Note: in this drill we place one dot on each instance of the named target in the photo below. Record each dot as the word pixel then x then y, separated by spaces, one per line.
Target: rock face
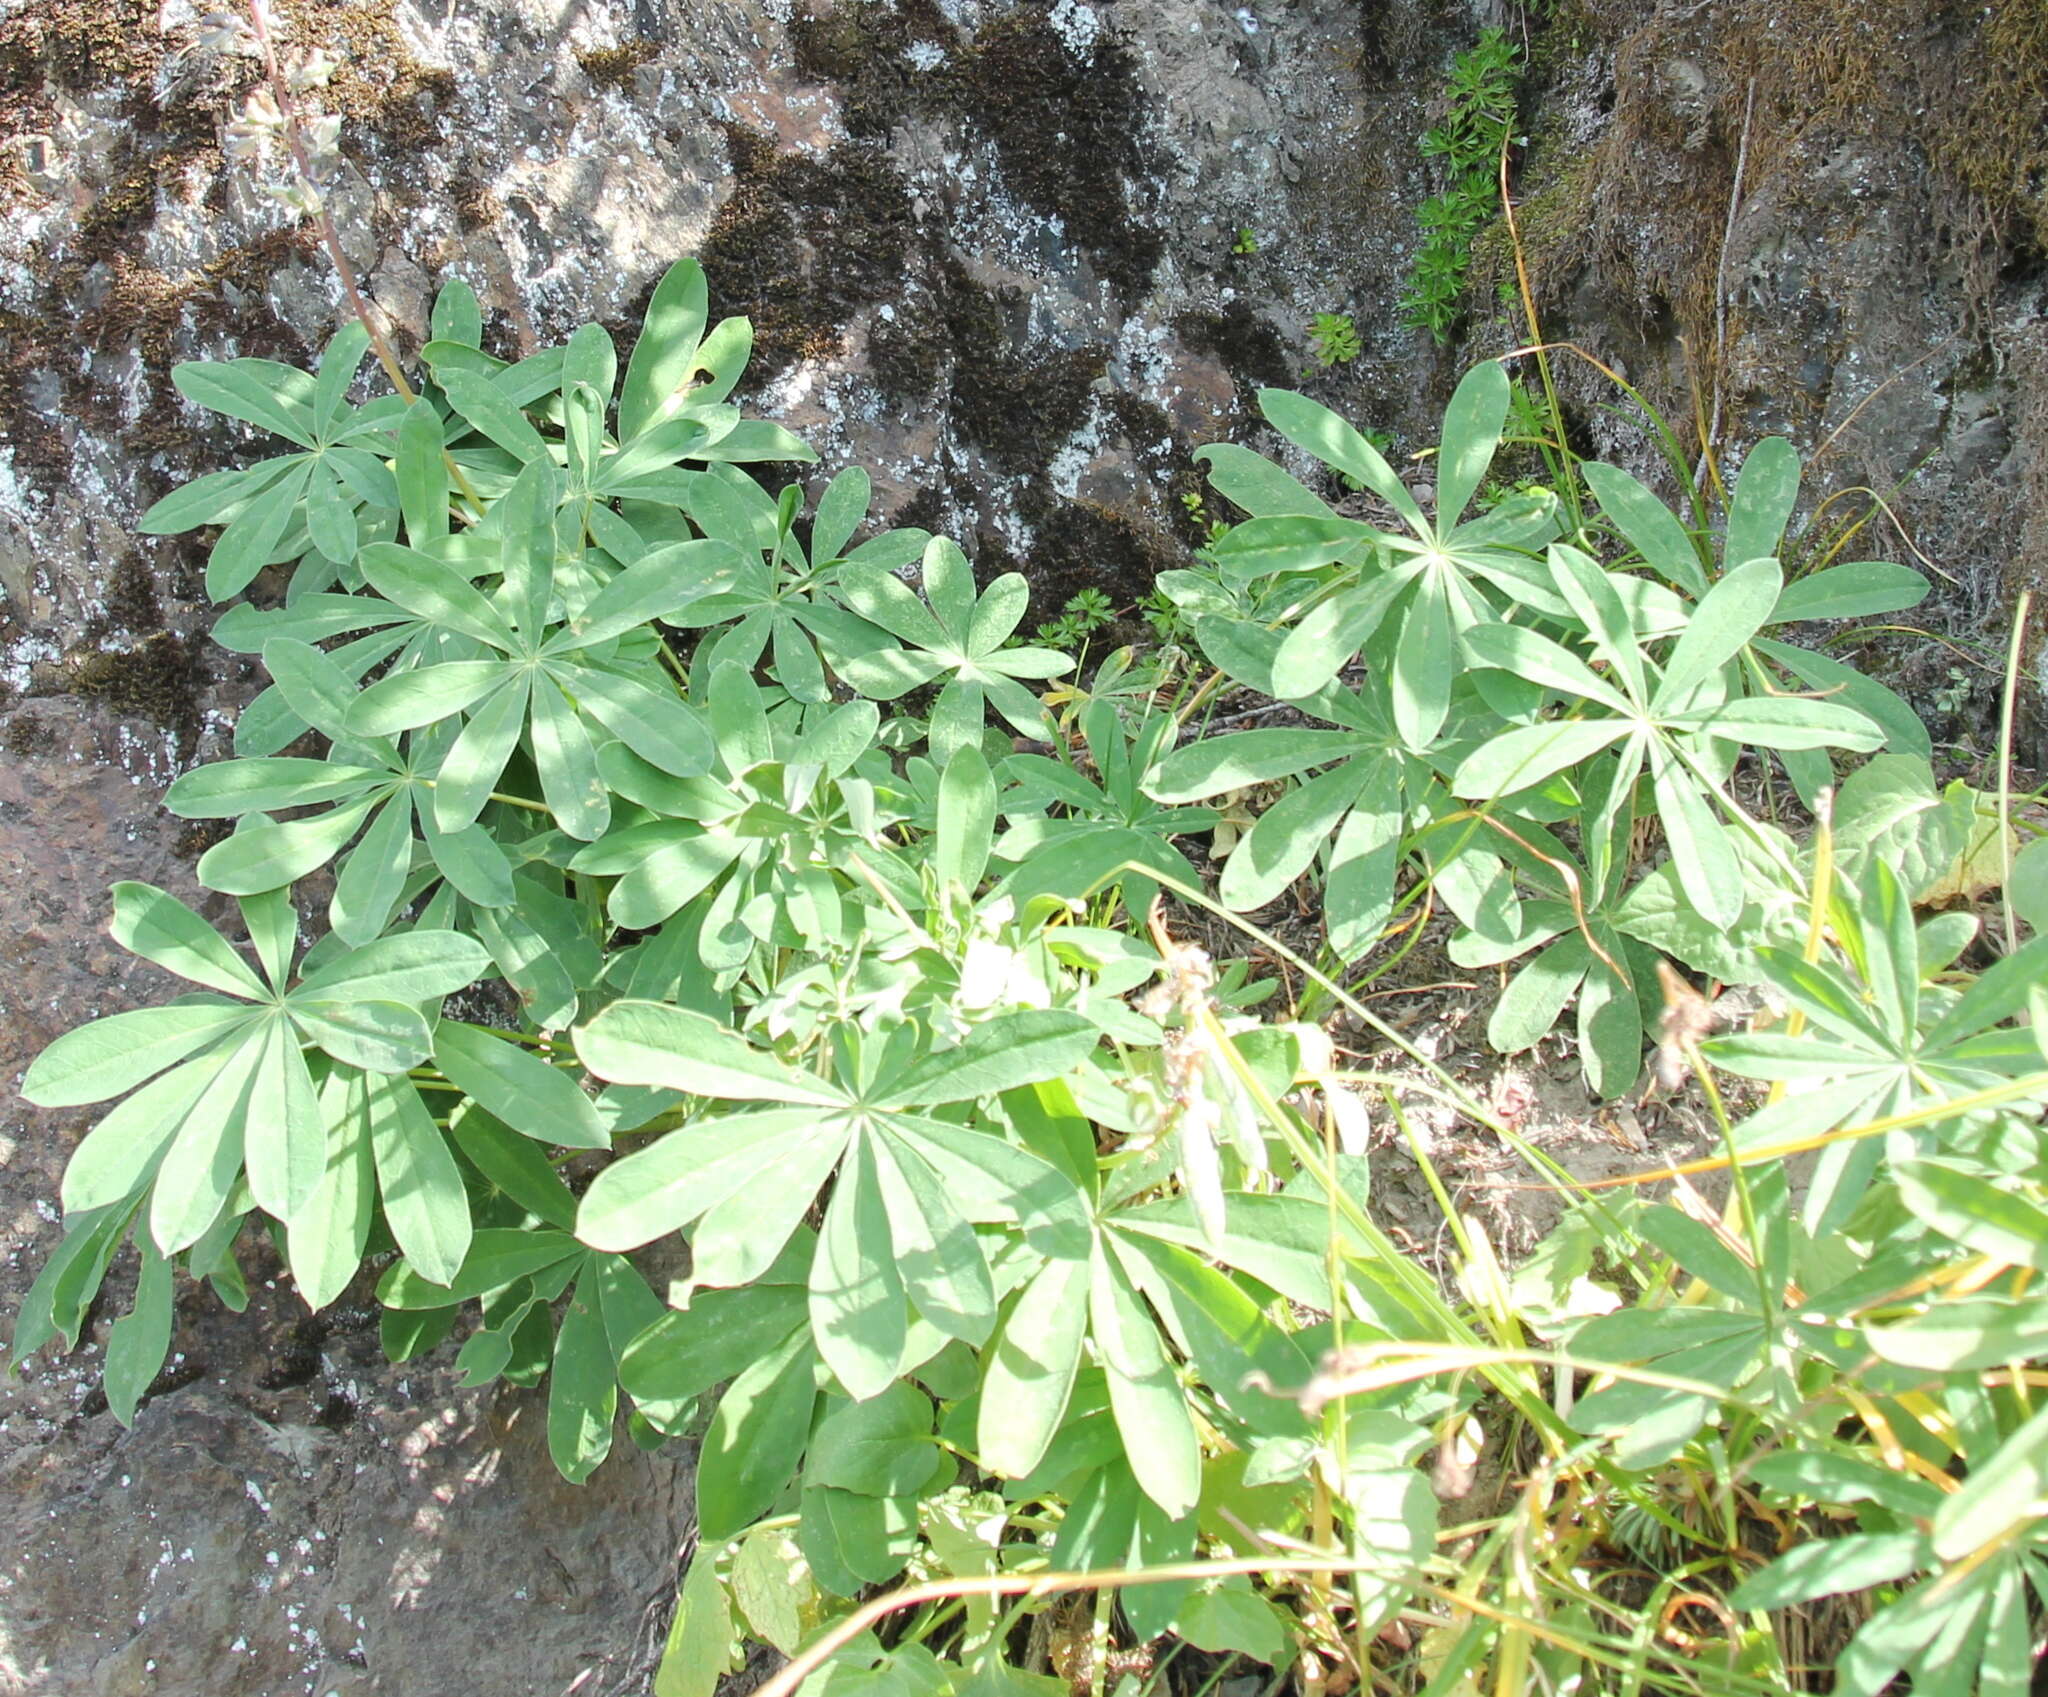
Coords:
pixel 1018 260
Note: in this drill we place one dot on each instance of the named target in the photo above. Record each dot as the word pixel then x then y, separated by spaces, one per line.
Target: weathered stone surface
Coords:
pixel 988 248
pixel 426 1546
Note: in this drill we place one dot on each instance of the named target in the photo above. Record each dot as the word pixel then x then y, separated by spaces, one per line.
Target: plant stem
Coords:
pixel 2005 720
pixel 330 236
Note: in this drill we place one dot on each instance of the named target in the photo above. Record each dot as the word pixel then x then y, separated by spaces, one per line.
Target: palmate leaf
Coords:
pixel 240 1090
pixel 1354 813
pixel 541 686
pixel 1882 1044
pixel 950 634
pixel 283 507
pixel 898 1230
pixel 1433 582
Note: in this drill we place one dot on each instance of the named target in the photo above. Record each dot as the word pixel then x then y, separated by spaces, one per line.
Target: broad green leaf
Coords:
pixel 2004 1489
pixel 1848 688
pixel 497 1256
pixel 937 1254
pixel 689 1351
pixel 406 701
pixel 1425 662
pixel 1976 1213
pixel 117 1155
pixel 1288 836
pixel 660 729
pixel 583 1393
pixel 1323 643
pixel 257 391
pixel 1264 547
pixel 1787 721
pixel 853 1541
pixel 882 1447
pixel 227 789
pixel 286 1134
pixel 141 1338
pixel 697 1654
pixel 858 1313
pixel 687 1172
pixel 1765 493
pixel 204 1158
pixel 999 1054
pixel 2027 888
pixel 567 763
pixel 654 587
pixel 665 357
pixel 756 1439
pixel 484 405
pixel 1256 484
pixel 1212 765
pixel 676 1049
pixel 326 1238
pixel 372 879
pixel 252 536
pixel 1232 1617
pixel 1533 656
pixel 210 499
pixel 56 1303
pixel 1311 425
pixel 515 1165
pixel 1708 870
pixel 1472 424
pixel 764 1584
pixel 541 1101
pixel 1730 613
pixel 1144 1392
pixel 474 765
pixel 1650 526
pixel 1832 1567
pixel 1030 1371
pixel 966 820
pixel 424 1199
pixel 1851 591
pixel 117 1053
pixel 1522 758
pixel 264 857
pixel 160 928
pixel 457 315
pixel 413 966
pixel 1962 1334
pixel 380 1037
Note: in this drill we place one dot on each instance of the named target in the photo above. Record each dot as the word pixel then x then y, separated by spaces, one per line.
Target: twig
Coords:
pixel 1721 285
pixel 2005 719
pixel 280 89
pixel 330 236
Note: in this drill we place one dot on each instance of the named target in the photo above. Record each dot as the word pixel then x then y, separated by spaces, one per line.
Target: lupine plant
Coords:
pixel 702 882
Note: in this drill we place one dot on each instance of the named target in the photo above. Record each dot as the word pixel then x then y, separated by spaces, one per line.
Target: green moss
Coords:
pixel 1065 128
pixel 1085 545
pixel 908 352
pixel 1065 125
pixel 29 734
pixel 1014 404
pixel 865 47
pixel 477 207
pixel 1246 342
pixel 160 680
pixel 804 243
pixel 613 67
pixel 131 598
pixel 79 45
pixel 1554 217
pixel 199 836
